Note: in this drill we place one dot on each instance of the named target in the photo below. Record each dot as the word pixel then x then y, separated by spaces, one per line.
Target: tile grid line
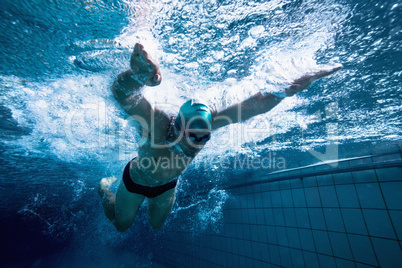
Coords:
pixel 277 245
pixel 365 223
pixel 286 234
pixel 325 221
pixel 224 251
pixel 312 229
pixel 298 233
pixel 387 209
pixel 344 226
pixel 372 167
pixel 318 173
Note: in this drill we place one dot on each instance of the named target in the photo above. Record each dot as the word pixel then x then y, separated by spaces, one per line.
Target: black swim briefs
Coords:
pixel 147 191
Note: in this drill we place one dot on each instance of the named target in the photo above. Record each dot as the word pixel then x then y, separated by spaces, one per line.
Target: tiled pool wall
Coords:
pixel 348 215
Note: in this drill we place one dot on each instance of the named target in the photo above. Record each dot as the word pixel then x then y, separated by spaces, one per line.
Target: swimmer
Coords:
pixel 172 142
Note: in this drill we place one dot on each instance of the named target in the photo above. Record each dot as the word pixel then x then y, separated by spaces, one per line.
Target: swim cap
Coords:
pixel 193 116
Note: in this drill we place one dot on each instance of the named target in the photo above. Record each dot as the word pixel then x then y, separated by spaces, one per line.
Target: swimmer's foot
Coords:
pixel 104 186
pixel 108 198
pixel 306 80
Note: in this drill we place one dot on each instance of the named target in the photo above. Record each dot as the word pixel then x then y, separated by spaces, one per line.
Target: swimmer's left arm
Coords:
pixel 307 79
pixel 259 103
pixel 255 105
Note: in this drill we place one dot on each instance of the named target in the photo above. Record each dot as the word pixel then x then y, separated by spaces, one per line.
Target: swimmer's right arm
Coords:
pixel 127 92
pixel 144 71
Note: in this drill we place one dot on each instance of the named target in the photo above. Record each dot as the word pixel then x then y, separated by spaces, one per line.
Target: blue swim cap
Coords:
pixel 194 116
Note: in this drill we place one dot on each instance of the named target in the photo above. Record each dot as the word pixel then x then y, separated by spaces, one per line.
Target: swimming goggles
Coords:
pixel 194 138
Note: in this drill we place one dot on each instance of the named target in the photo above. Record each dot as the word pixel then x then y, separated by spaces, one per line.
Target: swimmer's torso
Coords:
pixel 158 165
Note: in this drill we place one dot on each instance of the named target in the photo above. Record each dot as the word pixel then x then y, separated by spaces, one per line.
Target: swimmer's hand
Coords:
pixel 145 69
pixel 306 80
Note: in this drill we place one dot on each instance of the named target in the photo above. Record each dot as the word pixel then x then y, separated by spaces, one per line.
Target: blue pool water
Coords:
pixel 326 184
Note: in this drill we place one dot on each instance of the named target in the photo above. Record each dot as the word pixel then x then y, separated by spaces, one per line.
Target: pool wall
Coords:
pixel 348 214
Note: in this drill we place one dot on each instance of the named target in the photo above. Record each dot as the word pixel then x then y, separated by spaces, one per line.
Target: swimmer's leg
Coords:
pixel 160 207
pixel 122 207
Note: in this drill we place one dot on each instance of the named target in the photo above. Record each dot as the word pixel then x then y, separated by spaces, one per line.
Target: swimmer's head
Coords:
pixel 194 116
pixel 194 124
